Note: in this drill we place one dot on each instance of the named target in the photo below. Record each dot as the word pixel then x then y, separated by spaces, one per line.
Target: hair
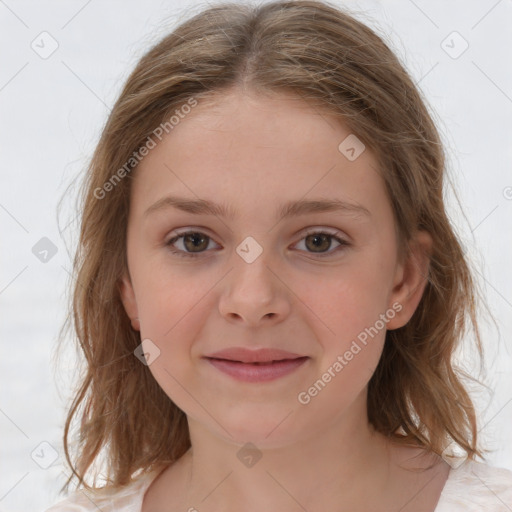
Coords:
pixel 322 55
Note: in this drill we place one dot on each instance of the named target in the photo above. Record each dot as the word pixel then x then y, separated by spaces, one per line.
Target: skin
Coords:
pixel 253 154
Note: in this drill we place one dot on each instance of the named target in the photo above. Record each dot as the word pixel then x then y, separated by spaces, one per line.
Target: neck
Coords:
pixel 347 462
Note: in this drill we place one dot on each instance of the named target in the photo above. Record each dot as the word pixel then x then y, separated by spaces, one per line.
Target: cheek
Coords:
pixel 172 312
pixel 352 342
pixel 167 297
pixel 351 310
pixel 350 299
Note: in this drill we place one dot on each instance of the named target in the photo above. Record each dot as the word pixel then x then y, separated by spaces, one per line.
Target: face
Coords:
pixel 321 283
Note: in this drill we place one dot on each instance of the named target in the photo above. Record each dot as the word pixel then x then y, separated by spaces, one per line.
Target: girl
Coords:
pixel 268 289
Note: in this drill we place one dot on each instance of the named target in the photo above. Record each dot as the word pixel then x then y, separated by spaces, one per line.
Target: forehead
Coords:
pixel 277 127
pixel 253 150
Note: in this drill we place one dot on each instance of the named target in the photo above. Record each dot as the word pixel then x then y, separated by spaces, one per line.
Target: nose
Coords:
pixel 254 293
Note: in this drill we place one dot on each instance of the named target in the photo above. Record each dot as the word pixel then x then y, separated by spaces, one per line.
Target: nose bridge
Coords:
pixel 251 265
pixel 253 290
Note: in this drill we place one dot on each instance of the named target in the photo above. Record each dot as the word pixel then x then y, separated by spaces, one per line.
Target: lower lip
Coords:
pixel 257 373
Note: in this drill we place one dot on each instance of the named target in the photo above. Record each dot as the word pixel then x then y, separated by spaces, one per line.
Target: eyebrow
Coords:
pixel 290 209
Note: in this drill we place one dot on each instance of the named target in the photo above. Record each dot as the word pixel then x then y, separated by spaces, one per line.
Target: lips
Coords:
pixel 258 356
pixel 257 365
pixel 260 365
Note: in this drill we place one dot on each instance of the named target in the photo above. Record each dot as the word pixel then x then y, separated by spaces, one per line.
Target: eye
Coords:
pixel 195 242
pixel 320 241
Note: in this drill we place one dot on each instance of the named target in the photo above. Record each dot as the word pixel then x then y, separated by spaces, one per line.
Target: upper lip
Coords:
pixel 261 355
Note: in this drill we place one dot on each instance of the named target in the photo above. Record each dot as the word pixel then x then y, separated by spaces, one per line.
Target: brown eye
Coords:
pixel 193 243
pixel 319 242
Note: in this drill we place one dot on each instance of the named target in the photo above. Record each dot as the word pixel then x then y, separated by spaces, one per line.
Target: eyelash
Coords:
pixel 184 254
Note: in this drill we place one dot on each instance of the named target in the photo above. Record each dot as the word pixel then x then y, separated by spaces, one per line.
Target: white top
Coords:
pixel 472 487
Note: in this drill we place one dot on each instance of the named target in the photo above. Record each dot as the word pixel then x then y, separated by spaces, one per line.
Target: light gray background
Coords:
pixel 51 114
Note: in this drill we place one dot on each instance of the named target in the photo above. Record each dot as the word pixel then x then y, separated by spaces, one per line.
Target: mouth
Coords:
pixel 258 363
pixel 257 371
pixel 260 355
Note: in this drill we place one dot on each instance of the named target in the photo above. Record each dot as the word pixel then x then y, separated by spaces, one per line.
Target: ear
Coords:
pixel 411 277
pixel 128 299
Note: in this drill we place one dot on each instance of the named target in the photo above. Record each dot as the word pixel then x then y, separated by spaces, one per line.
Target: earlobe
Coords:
pixel 411 279
pixel 128 299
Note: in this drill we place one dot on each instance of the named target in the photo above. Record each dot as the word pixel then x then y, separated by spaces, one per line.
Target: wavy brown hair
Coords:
pixel 324 55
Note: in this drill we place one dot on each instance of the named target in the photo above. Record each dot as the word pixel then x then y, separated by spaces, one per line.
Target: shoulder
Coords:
pixel 126 499
pixel 475 486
